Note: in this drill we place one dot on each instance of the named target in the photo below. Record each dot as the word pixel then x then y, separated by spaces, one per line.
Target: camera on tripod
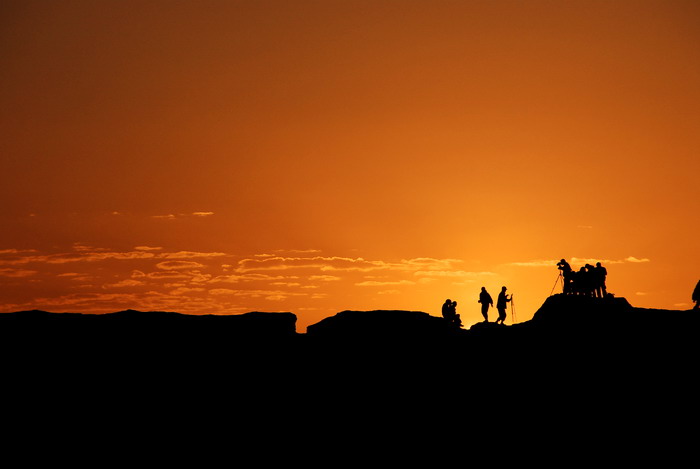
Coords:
pixel 564 266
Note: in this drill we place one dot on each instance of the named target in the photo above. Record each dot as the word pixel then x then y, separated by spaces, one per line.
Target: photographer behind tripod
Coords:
pixel 566 274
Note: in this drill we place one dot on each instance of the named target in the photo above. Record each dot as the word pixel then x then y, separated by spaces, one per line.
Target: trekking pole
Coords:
pixel 555 283
pixel 512 307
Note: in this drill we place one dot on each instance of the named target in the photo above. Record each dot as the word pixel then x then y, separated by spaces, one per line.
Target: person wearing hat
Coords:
pixel 501 305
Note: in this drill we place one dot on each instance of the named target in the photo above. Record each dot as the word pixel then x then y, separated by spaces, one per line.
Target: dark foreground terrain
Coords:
pixel 585 379
pixel 566 333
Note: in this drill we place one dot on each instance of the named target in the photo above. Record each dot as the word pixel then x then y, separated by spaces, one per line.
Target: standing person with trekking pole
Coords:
pixel 501 305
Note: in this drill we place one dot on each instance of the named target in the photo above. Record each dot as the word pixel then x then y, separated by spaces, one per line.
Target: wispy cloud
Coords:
pixel 324 278
pixel 349 264
pixel 168 275
pixel 172 216
pixel 273 295
pixel 189 255
pixel 636 260
pixel 179 265
pixel 153 277
pixel 83 253
pixel 80 256
pixel 535 263
pixel 451 273
pixel 577 261
pixel 250 277
pixel 375 283
pixel 123 284
pixel 186 290
pixel 17 273
pixel 222 291
pixel 15 251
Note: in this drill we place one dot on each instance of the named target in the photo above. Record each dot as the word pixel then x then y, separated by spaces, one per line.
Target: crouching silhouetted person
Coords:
pixel 486 301
pixel 501 305
pixel 449 312
pixel 696 296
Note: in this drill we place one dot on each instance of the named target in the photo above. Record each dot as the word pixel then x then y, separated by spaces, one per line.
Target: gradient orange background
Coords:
pixel 316 156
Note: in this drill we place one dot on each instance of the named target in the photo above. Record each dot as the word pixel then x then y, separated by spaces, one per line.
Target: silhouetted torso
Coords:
pixel 486 301
pixel 501 305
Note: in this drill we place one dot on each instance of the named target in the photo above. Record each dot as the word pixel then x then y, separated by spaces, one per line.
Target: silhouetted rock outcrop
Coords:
pixel 564 325
pixel 382 325
pixel 610 320
pixel 133 332
pixel 583 311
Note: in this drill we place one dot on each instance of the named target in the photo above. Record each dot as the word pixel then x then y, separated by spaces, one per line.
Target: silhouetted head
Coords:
pixel 454 303
pixel 483 288
pixel 448 301
pixel 504 289
pixel 563 260
pixel 597 264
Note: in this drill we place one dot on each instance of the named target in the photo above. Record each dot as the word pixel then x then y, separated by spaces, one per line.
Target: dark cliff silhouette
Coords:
pixel 130 327
pixel 561 317
pixel 566 329
pixel 579 361
pixel 382 326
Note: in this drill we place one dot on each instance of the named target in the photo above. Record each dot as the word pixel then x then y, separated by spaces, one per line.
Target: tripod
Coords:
pixel 559 277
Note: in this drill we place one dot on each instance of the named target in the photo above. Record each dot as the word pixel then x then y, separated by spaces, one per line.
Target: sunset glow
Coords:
pixel 319 156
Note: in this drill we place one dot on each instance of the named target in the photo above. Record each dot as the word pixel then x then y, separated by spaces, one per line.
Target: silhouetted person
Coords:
pixel 696 296
pixel 566 276
pixel 447 309
pixel 456 320
pixel 580 282
pixel 501 305
pixel 449 312
pixel 600 273
pixel 486 301
pixel 589 281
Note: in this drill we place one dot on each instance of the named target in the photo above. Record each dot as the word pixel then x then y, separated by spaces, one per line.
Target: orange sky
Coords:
pixel 317 156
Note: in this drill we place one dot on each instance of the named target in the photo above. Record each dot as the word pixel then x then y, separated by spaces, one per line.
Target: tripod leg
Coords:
pixel 555 284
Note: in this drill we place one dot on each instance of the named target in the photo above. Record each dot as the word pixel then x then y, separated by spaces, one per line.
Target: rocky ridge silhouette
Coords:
pixel 565 324
pixel 578 363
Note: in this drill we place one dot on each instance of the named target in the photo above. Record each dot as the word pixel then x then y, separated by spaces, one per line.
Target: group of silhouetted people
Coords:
pixel 587 281
pixel 501 304
pixel 449 312
pixel 449 308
